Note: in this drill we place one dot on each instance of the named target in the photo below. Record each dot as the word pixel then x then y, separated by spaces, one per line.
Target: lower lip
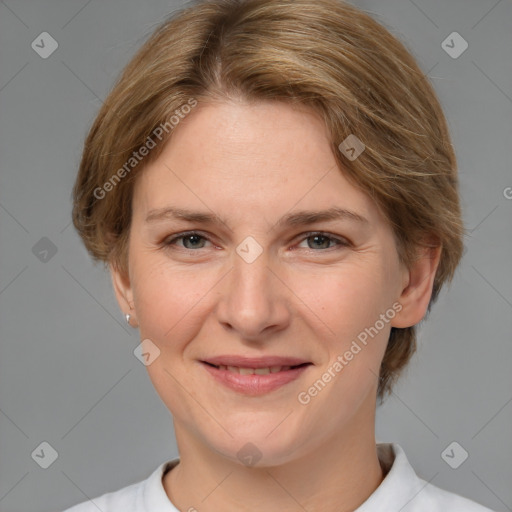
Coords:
pixel 254 384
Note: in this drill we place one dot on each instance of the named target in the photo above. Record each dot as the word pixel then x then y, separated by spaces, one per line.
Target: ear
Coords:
pixel 417 286
pixel 123 291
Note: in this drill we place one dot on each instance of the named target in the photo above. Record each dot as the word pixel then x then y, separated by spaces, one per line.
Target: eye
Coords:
pixel 323 240
pixel 192 238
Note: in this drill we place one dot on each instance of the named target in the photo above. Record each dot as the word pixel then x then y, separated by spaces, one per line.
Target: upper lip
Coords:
pixel 254 362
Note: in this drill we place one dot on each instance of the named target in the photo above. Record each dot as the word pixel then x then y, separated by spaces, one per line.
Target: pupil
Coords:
pixel 316 237
pixel 194 238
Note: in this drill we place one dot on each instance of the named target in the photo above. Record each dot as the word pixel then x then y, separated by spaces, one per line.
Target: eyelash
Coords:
pixel 340 242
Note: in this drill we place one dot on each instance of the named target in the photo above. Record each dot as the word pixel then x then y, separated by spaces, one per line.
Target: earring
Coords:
pixel 127 316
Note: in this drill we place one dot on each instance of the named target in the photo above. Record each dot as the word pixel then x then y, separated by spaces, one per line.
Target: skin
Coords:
pixel 250 164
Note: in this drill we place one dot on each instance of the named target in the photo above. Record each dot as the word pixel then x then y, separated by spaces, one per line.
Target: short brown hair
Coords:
pixel 324 54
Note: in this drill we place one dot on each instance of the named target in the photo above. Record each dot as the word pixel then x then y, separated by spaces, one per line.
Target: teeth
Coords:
pixel 256 371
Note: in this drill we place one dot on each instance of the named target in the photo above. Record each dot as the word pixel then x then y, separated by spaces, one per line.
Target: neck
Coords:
pixel 337 476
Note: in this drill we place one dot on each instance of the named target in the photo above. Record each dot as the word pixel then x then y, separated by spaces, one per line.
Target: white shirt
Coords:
pixel 401 490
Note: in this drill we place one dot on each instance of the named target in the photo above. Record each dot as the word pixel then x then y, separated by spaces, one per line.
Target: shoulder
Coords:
pixel 403 490
pixel 435 498
pixel 136 497
pixel 123 499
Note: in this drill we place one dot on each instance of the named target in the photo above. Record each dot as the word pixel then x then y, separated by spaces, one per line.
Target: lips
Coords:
pixel 255 376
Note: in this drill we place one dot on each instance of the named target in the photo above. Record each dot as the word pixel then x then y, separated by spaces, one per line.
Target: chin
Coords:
pixel 258 448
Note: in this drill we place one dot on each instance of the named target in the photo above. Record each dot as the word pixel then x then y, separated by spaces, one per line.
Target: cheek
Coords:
pixel 170 305
pixel 168 299
pixel 346 300
pixel 349 304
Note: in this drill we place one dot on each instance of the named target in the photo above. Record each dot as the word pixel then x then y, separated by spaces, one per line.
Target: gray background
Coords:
pixel 68 375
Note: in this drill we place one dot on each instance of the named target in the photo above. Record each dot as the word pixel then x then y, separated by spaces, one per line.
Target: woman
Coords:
pixel 273 188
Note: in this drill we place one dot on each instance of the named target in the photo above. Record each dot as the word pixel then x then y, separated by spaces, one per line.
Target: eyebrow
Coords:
pixel 300 218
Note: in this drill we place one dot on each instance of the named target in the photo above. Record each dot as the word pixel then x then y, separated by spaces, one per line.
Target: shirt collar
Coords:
pixel 155 497
pixel 400 485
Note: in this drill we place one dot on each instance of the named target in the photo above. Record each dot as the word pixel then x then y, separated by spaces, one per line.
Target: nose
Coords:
pixel 255 300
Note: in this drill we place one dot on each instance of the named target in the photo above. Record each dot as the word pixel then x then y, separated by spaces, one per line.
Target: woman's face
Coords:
pixel 253 285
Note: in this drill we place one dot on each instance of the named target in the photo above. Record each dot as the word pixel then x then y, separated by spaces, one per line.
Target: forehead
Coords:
pixel 269 156
pixel 259 137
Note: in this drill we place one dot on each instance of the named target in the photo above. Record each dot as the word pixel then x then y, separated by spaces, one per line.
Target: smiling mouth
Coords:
pixel 252 378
